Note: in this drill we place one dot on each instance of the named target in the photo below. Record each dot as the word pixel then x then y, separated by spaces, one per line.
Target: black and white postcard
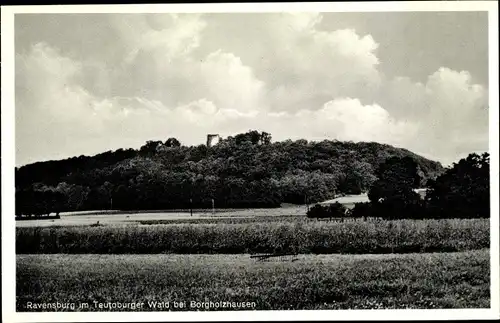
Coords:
pixel 272 161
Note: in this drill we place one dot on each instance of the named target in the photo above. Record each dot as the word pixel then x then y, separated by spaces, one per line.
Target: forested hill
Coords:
pixel 247 170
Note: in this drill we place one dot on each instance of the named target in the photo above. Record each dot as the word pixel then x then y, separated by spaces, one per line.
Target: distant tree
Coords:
pixel 392 194
pixel 75 195
pixel 265 138
pixel 253 136
pixel 362 210
pixel 334 210
pixel 396 177
pixel 39 202
pixel 150 147
pixel 24 202
pixel 56 201
pixel 463 191
pixel 313 186
pixel 172 142
pixel 349 184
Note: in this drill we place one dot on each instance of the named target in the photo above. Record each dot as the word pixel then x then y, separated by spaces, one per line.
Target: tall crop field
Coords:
pixel 401 236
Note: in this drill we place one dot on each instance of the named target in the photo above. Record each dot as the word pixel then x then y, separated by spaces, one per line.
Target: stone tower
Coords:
pixel 212 139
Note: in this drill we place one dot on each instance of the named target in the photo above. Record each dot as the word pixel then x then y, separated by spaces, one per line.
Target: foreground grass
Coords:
pixel 315 237
pixel 439 280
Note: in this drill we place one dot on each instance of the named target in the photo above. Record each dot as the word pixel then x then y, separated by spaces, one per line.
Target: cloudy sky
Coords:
pixel 87 83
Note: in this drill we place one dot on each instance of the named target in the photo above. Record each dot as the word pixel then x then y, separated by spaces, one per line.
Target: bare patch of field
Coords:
pixel 120 217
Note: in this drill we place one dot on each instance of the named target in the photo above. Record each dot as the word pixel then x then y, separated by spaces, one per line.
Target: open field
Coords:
pixel 122 217
pixel 305 237
pixel 158 258
pixel 284 209
pixel 438 280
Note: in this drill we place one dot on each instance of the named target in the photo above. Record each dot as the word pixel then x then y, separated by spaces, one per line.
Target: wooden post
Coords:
pixel 191 206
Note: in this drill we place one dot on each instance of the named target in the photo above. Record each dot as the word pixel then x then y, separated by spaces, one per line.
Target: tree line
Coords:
pixel 461 191
pixel 245 170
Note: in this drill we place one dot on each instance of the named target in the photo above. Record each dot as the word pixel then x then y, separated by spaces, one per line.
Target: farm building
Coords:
pixel 421 192
pixel 349 201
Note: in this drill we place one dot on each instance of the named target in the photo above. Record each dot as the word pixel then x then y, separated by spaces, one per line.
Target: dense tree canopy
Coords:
pixel 397 177
pixel 392 194
pixel 247 170
pixel 463 191
pixel 39 202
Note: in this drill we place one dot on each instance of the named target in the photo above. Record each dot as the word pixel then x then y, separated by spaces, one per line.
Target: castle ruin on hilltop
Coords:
pixel 212 139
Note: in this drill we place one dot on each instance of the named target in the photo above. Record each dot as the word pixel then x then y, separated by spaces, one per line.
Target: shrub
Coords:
pixel 318 211
pixel 362 210
pixel 336 210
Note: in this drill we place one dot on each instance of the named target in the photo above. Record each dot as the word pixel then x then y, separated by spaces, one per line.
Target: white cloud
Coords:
pixel 50 108
pixel 315 64
pixel 302 21
pixel 361 122
pixel 231 84
pixel 166 36
pixel 341 119
pixel 162 63
pixel 45 95
pixel 451 113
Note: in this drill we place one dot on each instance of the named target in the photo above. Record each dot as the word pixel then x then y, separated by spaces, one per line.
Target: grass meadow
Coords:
pixel 303 237
pixel 162 259
pixel 436 280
